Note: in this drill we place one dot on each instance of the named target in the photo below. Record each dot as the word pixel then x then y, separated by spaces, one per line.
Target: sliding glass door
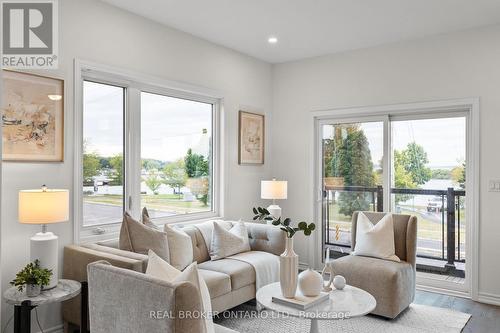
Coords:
pixel 411 165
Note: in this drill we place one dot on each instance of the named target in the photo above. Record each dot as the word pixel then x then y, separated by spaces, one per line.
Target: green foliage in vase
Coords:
pixel 262 213
pixel 32 273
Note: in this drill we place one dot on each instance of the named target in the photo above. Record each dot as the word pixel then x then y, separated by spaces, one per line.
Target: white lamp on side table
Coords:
pixel 44 206
pixel 274 190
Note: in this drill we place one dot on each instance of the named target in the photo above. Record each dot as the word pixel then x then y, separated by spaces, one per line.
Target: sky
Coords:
pixel 169 126
pixel 443 139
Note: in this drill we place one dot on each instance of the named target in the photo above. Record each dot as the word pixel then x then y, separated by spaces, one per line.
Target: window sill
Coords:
pixel 112 231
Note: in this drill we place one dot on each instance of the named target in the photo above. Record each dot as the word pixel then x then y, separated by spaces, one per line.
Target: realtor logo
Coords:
pixel 29 38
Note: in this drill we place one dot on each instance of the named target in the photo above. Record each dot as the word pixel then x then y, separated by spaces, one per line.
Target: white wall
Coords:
pixel 95 31
pixel 465 64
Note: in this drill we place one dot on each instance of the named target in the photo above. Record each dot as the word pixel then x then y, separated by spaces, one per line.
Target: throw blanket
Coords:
pixel 266 265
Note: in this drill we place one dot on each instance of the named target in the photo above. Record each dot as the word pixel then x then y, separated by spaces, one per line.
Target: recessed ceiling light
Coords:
pixel 272 40
pixel 54 97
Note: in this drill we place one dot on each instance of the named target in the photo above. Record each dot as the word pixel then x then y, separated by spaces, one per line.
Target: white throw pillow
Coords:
pixel 228 242
pixel 180 246
pixel 160 269
pixel 375 240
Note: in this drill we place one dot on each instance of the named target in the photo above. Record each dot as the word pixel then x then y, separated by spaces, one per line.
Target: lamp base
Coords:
pixel 275 211
pixel 44 247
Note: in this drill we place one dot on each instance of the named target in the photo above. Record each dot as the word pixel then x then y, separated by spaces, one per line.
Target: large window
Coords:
pixel 102 161
pixel 176 155
pixel 144 145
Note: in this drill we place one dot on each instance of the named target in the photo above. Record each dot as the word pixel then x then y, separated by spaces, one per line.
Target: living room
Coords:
pixel 191 109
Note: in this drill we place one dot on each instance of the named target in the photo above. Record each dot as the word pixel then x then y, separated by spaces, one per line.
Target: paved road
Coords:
pixel 97 213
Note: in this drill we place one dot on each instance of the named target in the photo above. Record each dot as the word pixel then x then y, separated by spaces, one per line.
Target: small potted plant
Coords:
pixel 33 277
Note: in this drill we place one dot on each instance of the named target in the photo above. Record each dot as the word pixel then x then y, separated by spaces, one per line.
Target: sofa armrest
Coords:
pixel 75 261
pixel 266 237
pixel 121 300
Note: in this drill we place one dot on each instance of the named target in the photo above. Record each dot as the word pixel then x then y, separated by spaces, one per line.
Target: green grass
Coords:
pixel 165 202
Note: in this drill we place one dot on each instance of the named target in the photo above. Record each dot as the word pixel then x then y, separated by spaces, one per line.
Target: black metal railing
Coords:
pixel 450 206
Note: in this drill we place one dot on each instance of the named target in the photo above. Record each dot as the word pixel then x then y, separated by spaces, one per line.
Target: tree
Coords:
pixel 414 159
pixel 151 164
pixel 116 163
pixel 348 155
pixel 91 165
pixel 402 178
pixel 458 175
pixel 175 175
pixel 199 187
pixel 196 164
pixel 441 174
pixel 153 181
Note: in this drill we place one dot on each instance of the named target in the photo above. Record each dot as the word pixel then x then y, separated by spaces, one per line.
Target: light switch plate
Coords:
pixel 494 186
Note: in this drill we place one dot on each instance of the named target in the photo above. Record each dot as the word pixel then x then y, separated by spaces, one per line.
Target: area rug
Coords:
pixel 416 319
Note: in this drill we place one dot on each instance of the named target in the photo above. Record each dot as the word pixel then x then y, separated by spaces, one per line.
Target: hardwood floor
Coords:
pixel 485 318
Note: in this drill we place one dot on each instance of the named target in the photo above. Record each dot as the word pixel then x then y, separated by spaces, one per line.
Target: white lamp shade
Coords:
pixel 43 206
pixel 273 189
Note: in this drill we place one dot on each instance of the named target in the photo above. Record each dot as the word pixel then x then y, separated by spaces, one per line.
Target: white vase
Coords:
pixel 310 283
pixel 289 270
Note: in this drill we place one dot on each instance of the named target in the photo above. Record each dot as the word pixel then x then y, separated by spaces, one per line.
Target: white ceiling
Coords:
pixel 308 28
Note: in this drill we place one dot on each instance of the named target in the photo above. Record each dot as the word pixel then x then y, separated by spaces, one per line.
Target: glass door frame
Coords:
pixel 439 109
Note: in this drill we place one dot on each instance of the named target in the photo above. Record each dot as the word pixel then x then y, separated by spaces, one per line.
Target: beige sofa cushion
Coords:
pixel 136 237
pixel 200 249
pixel 161 269
pixel 241 273
pixel 228 242
pixel 391 283
pixel 146 220
pixel 218 283
pixel 180 246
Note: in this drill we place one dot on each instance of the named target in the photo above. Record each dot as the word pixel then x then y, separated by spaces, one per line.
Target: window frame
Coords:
pixel 468 107
pixel 133 84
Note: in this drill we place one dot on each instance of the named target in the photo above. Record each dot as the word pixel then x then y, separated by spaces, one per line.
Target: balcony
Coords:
pixel 441 223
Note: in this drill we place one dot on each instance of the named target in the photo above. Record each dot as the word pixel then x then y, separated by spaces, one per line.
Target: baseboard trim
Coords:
pixel 488 298
pixel 443 291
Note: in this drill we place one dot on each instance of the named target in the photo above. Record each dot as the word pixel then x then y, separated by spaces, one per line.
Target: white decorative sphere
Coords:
pixel 339 282
pixel 310 283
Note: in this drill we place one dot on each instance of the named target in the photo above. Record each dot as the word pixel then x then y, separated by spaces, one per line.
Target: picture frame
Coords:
pixel 32 117
pixel 251 138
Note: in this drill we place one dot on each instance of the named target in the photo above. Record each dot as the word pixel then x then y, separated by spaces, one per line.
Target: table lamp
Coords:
pixel 275 190
pixel 44 206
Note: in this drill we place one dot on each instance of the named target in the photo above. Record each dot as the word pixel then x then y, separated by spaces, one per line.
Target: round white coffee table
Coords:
pixel 343 304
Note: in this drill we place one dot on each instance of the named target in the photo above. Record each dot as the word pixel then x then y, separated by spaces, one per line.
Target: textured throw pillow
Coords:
pixel 160 269
pixel 375 240
pixel 146 220
pixel 136 237
pixel 180 247
pixel 228 242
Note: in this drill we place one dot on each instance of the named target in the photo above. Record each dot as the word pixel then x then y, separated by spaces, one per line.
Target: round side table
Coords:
pixel 65 289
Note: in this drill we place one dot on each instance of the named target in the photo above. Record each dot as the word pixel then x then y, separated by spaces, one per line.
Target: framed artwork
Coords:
pixel 32 118
pixel 251 138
